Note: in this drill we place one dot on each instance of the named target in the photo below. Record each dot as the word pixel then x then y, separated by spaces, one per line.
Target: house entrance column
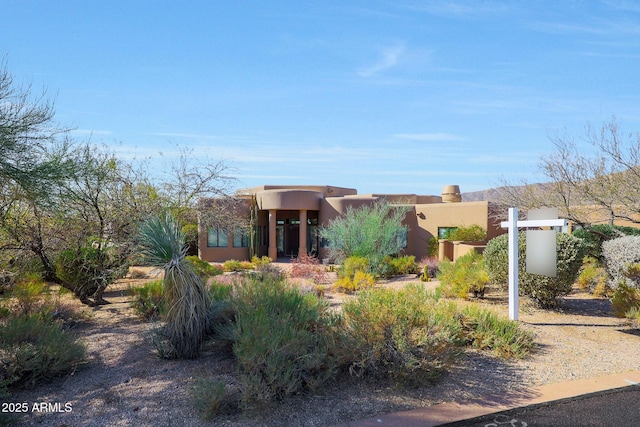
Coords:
pixel 273 248
pixel 302 250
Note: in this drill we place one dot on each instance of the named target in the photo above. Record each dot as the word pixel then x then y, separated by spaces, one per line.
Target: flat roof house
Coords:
pixel 287 218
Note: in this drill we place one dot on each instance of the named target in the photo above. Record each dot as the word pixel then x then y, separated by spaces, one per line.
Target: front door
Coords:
pixel 292 240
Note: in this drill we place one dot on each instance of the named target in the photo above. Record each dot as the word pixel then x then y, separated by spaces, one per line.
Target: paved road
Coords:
pixel 612 408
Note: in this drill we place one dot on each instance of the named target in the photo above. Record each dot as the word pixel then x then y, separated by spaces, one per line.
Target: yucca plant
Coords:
pixel 187 320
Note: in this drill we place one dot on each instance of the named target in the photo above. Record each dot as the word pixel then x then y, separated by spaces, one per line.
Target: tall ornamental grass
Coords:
pixel 187 318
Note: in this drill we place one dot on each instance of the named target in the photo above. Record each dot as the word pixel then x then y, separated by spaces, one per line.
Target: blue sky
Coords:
pixel 381 96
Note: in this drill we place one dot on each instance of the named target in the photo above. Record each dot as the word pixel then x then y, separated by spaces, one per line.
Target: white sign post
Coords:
pixel 513 225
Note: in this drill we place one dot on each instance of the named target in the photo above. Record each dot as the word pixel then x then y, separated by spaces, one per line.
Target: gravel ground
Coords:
pixel 125 384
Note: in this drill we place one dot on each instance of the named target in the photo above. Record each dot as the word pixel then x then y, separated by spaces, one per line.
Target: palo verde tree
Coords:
pixel 35 159
pixel 370 231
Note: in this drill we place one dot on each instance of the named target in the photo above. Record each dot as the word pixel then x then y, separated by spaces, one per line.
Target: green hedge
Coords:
pixel 545 291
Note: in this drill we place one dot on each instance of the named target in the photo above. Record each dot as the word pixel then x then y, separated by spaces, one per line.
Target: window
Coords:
pixel 443 232
pixel 217 238
pixel 240 239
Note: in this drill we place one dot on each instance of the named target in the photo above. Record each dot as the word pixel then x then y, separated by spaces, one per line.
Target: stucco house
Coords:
pixel 287 219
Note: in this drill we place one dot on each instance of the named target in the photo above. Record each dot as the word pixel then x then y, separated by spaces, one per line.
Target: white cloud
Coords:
pixel 390 58
pixel 84 132
pixel 186 135
pixel 438 136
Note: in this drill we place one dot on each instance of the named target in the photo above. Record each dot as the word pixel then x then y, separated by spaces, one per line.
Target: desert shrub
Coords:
pixel 211 398
pixel 593 277
pixel 308 267
pixel 484 329
pixel 235 265
pixel 87 271
pixel 405 335
pixel 544 291
pixel 412 335
pixel 136 273
pixel 619 257
pixel 624 299
pixel 31 296
pixel 433 246
pixel 270 270
pixel 351 265
pixel 595 235
pixel 372 232
pixel 282 340
pixel 359 281
pixel 203 268
pixel 34 348
pixel 259 261
pixel 472 233
pixel 399 265
pixel 632 314
pixel 21 264
pixel 148 300
pixel 467 274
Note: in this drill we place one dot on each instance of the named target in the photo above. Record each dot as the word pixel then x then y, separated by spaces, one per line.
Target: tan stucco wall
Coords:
pixel 288 199
pixel 426 214
pixel 326 190
pixel 220 254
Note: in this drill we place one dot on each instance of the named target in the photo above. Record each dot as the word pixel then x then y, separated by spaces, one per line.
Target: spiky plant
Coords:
pixel 187 320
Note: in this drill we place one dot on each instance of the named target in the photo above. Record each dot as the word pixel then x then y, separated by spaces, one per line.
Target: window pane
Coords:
pixel 212 238
pixel 222 239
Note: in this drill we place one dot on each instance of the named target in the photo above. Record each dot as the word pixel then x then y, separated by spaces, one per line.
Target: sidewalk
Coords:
pixel 458 411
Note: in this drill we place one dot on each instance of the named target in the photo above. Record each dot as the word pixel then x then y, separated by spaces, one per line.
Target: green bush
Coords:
pixel 399 265
pixel 624 299
pixel 203 268
pixel 88 271
pixel 433 246
pixel 593 277
pixel 359 281
pixel 406 335
pixel 484 329
pixel 594 235
pixel 282 340
pixel 259 261
pixel 210 398
pixel 370 231
pixel 351 265
pixel 464 276
pixel 34 348
pixel 472 233
pixel 235 265
pixel 411 335
pixel 148 300
pixel 544 291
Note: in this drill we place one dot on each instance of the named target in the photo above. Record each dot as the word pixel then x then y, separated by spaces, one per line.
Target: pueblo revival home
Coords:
pixel 286 219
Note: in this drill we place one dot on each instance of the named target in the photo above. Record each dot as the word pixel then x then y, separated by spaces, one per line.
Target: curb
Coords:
pixel 451 412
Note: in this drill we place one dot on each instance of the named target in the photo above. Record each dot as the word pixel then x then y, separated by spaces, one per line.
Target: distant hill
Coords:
pixel 490 194
pixel 478 196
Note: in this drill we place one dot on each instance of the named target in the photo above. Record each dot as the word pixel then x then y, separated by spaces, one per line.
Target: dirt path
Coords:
pixel 125 384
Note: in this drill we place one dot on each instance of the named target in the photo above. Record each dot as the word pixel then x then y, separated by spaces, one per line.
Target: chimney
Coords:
pixel 451 194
